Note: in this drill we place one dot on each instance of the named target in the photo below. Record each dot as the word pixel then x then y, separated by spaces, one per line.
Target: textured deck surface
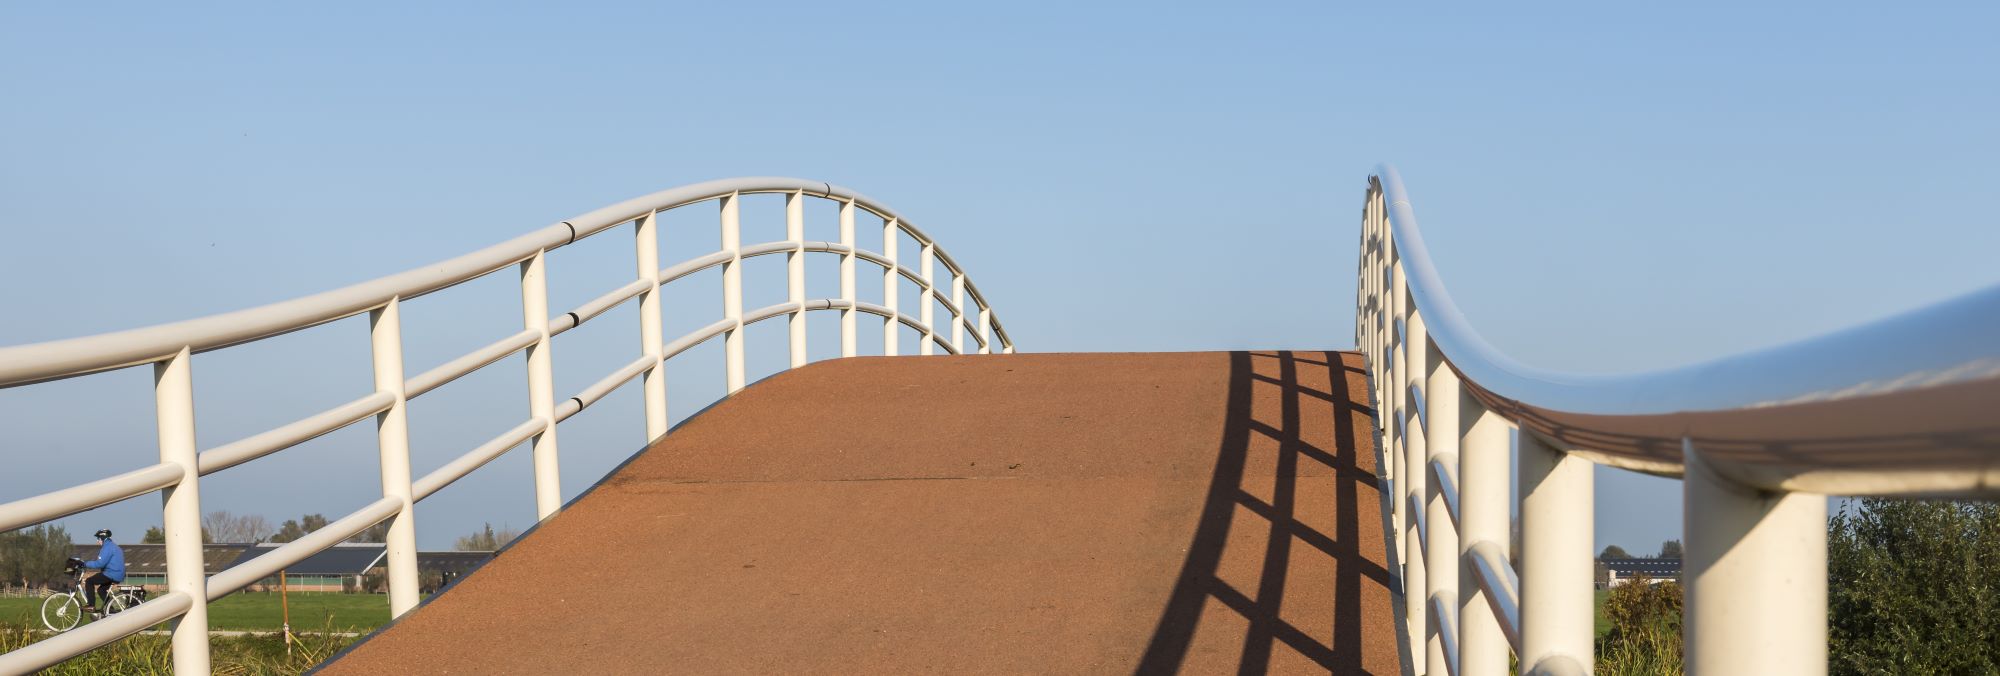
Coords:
pixel 1059 514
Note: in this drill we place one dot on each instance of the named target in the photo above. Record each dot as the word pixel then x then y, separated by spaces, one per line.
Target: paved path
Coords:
pixel 1056 514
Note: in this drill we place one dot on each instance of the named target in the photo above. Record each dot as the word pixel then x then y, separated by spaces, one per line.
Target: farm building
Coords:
pixel 344 568
pixel 1621 571
pixel 147 564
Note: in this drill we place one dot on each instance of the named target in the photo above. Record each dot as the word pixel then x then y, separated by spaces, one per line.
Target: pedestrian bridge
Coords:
pixel 1278 511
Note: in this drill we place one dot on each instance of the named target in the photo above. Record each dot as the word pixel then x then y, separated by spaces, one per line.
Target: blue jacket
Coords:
pixel 111 559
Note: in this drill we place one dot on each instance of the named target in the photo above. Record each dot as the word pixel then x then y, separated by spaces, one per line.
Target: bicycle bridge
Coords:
pixel 1004 512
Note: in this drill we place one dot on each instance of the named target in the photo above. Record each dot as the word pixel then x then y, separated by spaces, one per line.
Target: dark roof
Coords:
pixel 457 562
pixel 144 559
pixel 341 559
pixel 1651 567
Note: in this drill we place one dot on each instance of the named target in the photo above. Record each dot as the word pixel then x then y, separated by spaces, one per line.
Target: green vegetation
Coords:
pixel 1913 587
pixel 255 611
pixel 230 655
pixel 1640 625
pixel 261 611
pixel 1603 623
pixel 33 556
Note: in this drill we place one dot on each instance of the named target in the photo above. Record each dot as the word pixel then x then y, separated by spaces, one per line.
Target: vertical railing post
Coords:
pixel 795 271
pixel 1389 294
pixel 732 289
pixel 1557 570
pixel 1482 517
pixel 958 316
pixel 173 402
pixel 1755 574
pixel 541 383
pixel 1416 583
pixel 848 315
pixel 392 430
pixel 1441 430
pixel 646 242
pixel 889 241
pixel 1392 397
pixel 985 329
pixel 925 259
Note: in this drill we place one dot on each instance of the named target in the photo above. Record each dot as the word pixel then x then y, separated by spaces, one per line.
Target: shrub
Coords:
pixel 1645 636
pixel 1913 587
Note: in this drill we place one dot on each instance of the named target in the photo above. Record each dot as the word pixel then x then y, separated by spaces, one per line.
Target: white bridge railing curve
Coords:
pixel 1905 406
pixel 169 349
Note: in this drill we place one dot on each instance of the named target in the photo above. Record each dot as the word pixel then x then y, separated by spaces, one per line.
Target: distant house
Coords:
pixel 1621 571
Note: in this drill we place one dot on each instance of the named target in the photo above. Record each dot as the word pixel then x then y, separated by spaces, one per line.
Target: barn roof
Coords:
pixel 342 559
pixel 145 559
pixel 1651 567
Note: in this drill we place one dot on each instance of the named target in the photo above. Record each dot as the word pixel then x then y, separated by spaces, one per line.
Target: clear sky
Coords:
pixel 1605 188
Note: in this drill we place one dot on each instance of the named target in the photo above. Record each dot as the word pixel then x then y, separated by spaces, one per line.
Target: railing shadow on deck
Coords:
pixel 1341 649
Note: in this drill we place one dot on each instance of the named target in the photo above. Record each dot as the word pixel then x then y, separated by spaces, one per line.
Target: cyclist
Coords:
pixel 110 563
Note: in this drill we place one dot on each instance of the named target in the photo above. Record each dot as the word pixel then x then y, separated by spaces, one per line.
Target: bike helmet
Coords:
pixel 104 534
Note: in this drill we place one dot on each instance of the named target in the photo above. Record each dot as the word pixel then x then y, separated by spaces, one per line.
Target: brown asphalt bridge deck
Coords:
pixel 1066 513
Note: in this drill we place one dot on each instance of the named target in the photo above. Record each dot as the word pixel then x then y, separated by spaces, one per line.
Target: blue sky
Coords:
pixel 1605 188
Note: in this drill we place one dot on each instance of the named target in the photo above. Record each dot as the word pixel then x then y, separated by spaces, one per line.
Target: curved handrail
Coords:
pixel 1899 406
pixel 65 358
pixel 170 346
pixel 1763 415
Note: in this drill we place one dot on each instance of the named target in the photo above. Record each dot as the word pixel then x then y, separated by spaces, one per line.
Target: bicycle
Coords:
pixel 63 610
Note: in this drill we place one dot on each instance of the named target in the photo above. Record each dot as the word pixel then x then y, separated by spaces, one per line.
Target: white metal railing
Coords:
pixel 1906 406
pixel 169 349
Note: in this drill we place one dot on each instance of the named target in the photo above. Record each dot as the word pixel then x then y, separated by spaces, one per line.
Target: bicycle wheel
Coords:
pixel 117 603
pixel 61 612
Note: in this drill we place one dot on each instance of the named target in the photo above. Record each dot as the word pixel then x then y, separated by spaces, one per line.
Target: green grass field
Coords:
pixel 1603 624
pixel 258 611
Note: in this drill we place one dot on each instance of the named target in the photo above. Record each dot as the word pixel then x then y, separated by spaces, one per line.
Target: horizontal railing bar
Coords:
pixel 907 320
pixel 25 364
pixel 297 432
pixel 286 555
pixel 768 312
pixel 597 390
pixel 944 299
pixel 597 306
pixel 780 246
pixel 1418 405
pixel 1500 585
pixel 1447 480
pixel 1440 612
pixel 872 257
pixel 915 278
pixel 475 458
pixel 53 650
pixel 1423 527
pixel 473 361
pixel 695 337
pixel 58 504
pixel 1800 417
pixel 689 267
pixel 944 341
